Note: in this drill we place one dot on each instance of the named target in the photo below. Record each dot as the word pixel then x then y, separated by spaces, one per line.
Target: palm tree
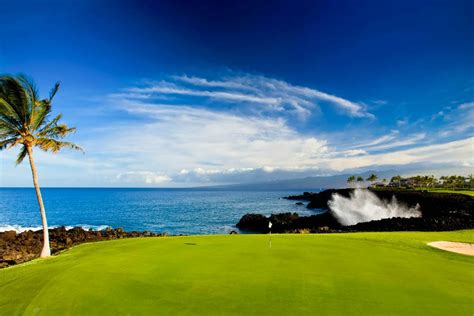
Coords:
pixel 350 180
pixel 419 180
pixel 444 181
pixel 372 178
pixel 432 181
pixel 453 181
pixel 460 181
pixel 398 179
pixel 25 121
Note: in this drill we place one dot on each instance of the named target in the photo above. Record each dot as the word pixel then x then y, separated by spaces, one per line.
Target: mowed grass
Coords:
pixel 466 192
pixel 340 274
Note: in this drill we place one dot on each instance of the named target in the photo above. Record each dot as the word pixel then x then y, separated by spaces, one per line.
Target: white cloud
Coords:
pixel 379 140
pixel 466 106
pixel 275 95
pixel 410 140
pixel 180 138
pixel 402 122
pixel 389 141
pixel 147 177
pixel 459 120
pixel 212 83
pixel 165 145
pixel 458 153
pixel 354 152
pixel 220 95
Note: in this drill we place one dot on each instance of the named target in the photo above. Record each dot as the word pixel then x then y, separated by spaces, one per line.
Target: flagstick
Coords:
pixel 270 239
pixel 270 227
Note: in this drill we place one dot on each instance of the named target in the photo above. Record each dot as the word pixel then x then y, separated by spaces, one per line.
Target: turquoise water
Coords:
pixel 175 211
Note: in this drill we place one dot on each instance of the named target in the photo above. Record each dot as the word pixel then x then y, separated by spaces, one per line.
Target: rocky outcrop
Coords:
pixel 319 200
pixel 17 248
pixel 440 212
pixel 431 204
pixel 288 222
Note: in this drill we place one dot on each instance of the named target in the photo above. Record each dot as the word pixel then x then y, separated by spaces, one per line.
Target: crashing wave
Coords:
pixel 365 206
pixel 20 229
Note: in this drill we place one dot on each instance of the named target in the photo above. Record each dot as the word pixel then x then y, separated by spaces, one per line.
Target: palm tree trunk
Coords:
pixel 46 251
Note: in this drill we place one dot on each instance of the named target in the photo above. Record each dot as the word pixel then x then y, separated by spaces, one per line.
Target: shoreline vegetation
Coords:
pixel 452 183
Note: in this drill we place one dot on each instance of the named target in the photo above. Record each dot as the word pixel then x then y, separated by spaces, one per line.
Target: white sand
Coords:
pixel 457 247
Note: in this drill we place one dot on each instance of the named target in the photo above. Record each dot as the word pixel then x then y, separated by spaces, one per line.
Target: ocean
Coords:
pixel 174 211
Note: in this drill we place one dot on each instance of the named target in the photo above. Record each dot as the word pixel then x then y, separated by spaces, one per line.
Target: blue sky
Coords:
pixel 184 93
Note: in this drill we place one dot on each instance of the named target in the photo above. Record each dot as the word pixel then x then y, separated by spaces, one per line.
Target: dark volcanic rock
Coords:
pixel 433 205
pixel 253 222
pixel 17 248
pixel 8 235
pixel 286 222
pixel 440 212
pixel 306 196
pixel 319 200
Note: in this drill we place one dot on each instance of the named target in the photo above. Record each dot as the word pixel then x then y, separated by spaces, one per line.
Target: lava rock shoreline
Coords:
pixel 440 212
pixel 18 248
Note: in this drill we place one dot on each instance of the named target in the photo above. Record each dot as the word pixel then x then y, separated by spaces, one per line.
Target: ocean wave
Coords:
pixel 20 229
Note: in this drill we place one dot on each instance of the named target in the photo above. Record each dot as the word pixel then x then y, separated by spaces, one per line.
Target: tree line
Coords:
pixel 419 181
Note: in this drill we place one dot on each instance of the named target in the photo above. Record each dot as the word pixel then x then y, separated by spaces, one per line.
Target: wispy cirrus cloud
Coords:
pixel 393 141
pixel 389 141
pixel 270 94
pixel 459 120
pixel 460 153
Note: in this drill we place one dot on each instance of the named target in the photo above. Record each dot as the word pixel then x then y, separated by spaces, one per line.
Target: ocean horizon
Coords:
pixel 162 210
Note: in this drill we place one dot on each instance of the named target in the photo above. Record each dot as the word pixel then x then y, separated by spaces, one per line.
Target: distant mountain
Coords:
pixel 302 184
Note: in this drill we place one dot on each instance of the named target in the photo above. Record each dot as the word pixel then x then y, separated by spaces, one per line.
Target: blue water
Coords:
pixel 175 211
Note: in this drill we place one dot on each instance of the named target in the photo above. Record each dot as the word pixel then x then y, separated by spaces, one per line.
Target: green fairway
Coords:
pixel 359 273
pixel 467 192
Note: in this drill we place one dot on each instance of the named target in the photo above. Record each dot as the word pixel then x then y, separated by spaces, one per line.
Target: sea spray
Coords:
pixel 21 229
pixel 364 206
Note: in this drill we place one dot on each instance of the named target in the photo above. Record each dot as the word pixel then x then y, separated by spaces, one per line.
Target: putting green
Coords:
pixel 343 274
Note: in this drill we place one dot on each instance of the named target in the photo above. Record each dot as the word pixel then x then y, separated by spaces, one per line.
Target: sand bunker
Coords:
pixel 457 247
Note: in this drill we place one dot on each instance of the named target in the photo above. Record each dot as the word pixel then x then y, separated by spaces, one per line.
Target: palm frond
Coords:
pixel 53 145
pixel 21 155
pixel 50 124
pixel 53 91
pixel 5 143
pixel 4 135
pixel 6 127
pixel 57 132
pixel 29 86
pixel 6 109
pixel 40 114
pixel 38 109
pixel 11 124
pixel 13 91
